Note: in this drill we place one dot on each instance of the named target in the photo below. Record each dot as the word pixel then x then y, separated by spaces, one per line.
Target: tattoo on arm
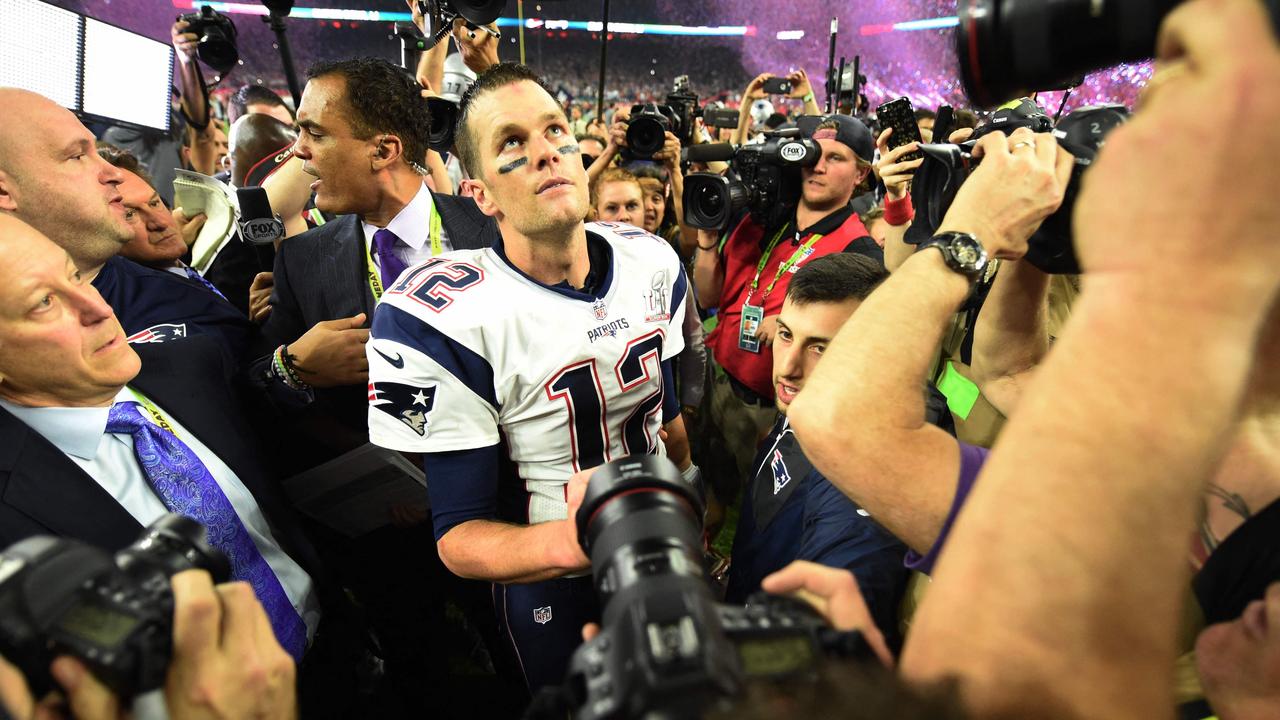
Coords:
pixel 1231 501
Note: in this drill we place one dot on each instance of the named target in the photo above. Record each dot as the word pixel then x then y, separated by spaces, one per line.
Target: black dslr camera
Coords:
pixel 115 614
pixel 217 33
pixel 1082 133
pixel 767 184
pixel 649 122
pixel 666 649
pixel 1009 48
pixel 438 15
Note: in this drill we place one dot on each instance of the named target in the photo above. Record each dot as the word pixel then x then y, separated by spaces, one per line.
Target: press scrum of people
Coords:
pixel 578 359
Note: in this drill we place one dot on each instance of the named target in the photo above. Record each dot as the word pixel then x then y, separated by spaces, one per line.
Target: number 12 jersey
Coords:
pixel 467 351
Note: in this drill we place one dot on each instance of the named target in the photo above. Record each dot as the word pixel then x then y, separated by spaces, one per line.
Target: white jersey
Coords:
pixel 466 350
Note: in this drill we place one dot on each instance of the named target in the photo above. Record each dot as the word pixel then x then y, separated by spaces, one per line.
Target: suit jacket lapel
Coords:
pixel 45 485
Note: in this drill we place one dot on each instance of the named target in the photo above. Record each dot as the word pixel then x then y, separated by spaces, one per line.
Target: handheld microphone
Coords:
pixel 258 224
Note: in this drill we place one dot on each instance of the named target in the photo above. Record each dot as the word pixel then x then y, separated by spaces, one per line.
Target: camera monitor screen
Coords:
pixel 127 77
pixel 40 50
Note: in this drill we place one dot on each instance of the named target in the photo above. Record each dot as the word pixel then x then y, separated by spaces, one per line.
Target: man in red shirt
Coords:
pixel 747 276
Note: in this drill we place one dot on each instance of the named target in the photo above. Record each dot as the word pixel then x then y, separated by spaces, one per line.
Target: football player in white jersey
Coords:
pixel 513 368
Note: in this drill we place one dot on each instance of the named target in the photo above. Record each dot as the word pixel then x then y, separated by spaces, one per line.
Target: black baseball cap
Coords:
pixel 849 131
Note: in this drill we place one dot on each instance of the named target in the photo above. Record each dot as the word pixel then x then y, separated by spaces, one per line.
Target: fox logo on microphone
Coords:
pixel 261 230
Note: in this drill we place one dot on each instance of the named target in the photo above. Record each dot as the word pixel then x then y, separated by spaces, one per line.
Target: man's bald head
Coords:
pixel 52 178
pixel 253 137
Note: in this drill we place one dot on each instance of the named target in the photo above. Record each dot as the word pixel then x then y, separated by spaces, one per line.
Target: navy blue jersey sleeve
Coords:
pixel 462 485
pixel 670 403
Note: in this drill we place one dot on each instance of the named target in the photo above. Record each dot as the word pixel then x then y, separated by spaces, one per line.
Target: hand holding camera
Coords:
pixel 184 42
pixel 1021 181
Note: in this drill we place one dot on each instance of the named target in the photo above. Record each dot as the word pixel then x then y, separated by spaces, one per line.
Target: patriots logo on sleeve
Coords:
pixel 409 404
pixel 159 333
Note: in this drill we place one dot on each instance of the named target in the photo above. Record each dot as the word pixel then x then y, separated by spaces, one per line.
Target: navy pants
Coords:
pixel 543 622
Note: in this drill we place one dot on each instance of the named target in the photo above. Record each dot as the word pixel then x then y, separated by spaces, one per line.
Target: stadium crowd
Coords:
pixel 1033 494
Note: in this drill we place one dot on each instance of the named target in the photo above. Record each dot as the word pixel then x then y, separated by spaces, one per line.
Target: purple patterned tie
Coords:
pixel 191 273
pixel 391 266
pixel 186 487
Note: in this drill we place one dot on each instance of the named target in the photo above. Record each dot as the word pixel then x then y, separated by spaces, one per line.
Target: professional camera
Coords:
pixel 1009 48
pixel 649 122
pixel 767 184
pixel 217 33
pixel 647 130
pixel 945 168
pixel 115 614
pixel 438 15
pixel 666 649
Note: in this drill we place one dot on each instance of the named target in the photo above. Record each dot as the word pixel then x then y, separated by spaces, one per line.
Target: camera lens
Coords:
pixel 172 544
pixel 444 114
pixel 710 200
pixel 480 12
pixel 1009 48
pixel 646 136
pixel 640 520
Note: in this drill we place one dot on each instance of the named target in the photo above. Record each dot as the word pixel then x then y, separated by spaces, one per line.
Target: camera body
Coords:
pixel 945 168
pixel 666 648
pixel 113 613
pixel 438 15
pixel 768 182
pixel 217 33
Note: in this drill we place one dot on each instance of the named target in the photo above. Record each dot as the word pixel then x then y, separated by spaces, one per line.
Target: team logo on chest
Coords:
pixel 406 403
pixel 159 333
pixel 657 305
pixel 780 474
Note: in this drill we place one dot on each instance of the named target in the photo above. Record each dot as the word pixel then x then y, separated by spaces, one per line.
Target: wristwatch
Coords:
pixel 961 251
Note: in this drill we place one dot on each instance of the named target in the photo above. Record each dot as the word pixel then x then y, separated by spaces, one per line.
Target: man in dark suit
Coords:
pixel 96 443
pixel 367 150
pixel 52 179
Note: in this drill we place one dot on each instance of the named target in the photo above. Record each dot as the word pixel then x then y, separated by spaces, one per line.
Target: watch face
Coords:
pixel 968 253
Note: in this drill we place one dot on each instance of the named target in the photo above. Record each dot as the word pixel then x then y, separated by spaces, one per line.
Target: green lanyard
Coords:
pixel 153 411
pixel 783 267
pixel 375 281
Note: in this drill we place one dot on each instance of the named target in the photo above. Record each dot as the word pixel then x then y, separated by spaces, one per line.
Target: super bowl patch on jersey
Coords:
pixel 657 302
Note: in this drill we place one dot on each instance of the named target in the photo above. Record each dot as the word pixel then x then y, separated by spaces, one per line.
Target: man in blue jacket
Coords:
pixel 789 510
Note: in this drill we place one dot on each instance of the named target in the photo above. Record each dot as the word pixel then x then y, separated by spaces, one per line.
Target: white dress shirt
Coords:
pixel 108 458
pixel 413 226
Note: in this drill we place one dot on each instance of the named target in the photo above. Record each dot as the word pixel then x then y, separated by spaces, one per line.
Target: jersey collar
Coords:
pixel 599 277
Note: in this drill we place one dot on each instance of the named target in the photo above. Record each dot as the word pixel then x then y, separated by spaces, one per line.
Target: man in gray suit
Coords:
pixel 363 135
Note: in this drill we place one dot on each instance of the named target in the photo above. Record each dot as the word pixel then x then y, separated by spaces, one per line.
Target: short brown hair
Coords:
pixel 495 77
pixel 124 160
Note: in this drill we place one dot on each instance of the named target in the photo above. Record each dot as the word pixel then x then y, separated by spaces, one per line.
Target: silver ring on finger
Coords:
pixel 1022 143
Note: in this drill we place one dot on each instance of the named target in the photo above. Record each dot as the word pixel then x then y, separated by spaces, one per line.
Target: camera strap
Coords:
pixel 437 248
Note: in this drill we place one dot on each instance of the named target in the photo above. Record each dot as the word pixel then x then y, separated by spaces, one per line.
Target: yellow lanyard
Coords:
pixel 375 280
pixel 783 267
pixel 154 411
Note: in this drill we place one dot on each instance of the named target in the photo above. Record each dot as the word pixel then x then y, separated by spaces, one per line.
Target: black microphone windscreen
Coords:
pixel 710 152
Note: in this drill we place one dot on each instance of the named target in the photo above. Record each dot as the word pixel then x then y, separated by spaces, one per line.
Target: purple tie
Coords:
pixel 383 241
pixel 186 487
pixel 191 273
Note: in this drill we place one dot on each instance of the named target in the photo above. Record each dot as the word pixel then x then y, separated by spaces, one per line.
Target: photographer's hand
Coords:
pixel 83 696
pixel 803 90
pixel 892 171
pixel 1020 182
pixel 479 48
pixel 185 43
pixel 226 662
pixel 669 155
pixel 834 593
